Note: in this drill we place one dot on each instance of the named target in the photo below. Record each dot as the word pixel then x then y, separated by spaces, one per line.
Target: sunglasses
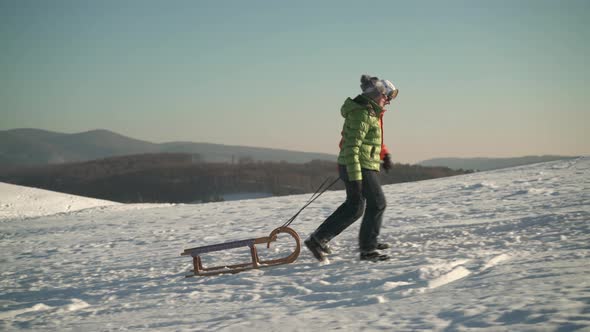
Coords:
pixel 391 95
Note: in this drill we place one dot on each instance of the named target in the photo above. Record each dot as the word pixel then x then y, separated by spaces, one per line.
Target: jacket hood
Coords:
pixel 359 103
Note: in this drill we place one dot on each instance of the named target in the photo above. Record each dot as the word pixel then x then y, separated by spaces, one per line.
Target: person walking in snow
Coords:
pixel 359 163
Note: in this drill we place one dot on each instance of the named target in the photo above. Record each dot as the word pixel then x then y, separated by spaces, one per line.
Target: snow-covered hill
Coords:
pixel 17 202
pixel 506 250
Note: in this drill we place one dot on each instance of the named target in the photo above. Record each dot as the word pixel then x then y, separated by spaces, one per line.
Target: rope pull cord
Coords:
pixel 321 189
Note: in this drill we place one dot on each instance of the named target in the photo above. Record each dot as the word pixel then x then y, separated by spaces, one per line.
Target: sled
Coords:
pixel 256 263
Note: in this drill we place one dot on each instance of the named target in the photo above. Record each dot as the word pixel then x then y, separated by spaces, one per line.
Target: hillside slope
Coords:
pixel 505 250
pixel 487 164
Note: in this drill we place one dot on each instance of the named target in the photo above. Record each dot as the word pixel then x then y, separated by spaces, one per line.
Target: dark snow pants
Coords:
pixel 352 209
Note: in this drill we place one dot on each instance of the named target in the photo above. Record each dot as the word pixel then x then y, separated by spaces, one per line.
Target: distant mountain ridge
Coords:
pixel 487 164
pixel 39 147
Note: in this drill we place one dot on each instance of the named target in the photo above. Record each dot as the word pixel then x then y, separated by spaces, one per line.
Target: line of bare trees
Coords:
pixel 184 178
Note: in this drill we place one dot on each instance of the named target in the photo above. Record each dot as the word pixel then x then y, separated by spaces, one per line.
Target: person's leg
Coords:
pixel 373 218
pixel 349 212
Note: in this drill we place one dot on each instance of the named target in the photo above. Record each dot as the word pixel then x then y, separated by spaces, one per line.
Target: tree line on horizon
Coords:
pixel 186 178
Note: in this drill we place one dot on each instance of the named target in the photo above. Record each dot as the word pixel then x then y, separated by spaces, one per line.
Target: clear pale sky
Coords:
pixel 476 78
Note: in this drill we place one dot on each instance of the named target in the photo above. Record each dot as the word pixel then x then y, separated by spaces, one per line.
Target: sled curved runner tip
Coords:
pixel 251 243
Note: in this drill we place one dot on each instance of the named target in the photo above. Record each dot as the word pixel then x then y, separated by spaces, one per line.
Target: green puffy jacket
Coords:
pixel 362 136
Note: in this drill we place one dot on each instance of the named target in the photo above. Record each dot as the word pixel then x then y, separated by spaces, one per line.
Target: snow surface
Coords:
pixel 506 250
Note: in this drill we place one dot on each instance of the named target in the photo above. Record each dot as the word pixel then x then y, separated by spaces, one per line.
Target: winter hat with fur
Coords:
pixel 374 87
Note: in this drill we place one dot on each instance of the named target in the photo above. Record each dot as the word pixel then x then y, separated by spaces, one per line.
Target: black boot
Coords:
pixel 373 256
pixel 383 246
pixel 325 247
pixel 315 247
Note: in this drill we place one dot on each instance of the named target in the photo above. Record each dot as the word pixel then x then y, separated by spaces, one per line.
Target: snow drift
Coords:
pixel 17 202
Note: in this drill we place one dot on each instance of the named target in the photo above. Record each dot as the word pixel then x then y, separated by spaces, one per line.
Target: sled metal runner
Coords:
pixel 256 263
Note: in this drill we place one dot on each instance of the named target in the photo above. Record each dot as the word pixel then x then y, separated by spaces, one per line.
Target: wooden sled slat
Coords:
pixel 251 243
